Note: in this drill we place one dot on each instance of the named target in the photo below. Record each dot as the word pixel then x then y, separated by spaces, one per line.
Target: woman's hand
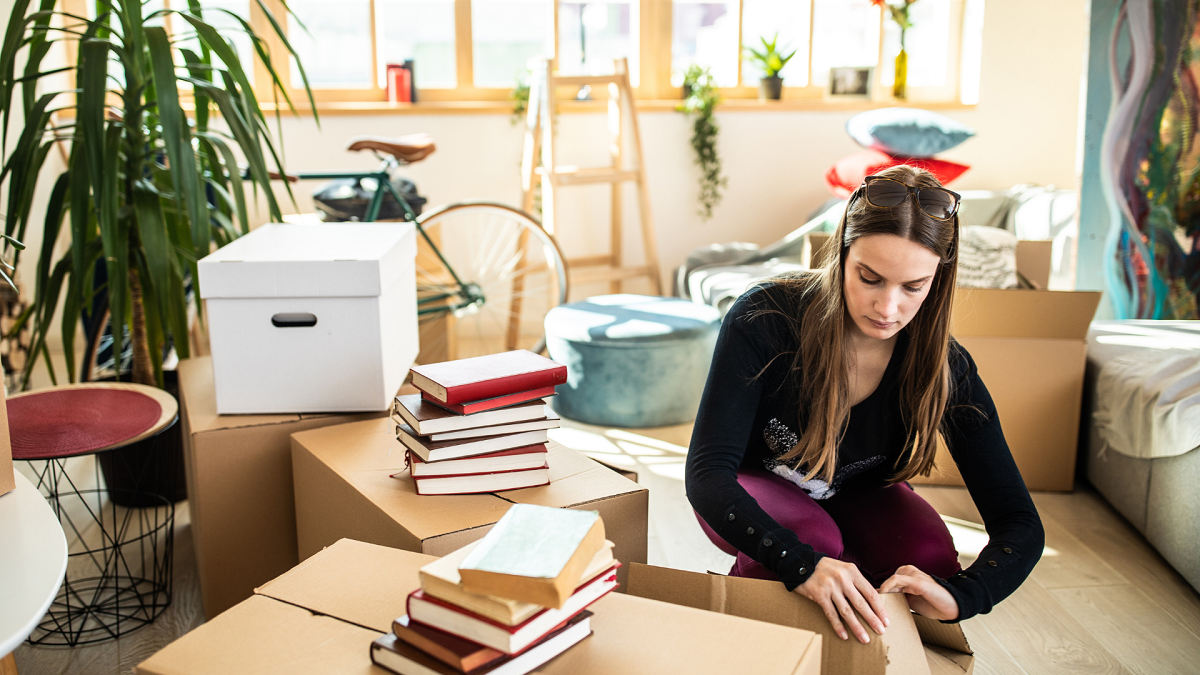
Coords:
pixel 837 586
pixel 925 595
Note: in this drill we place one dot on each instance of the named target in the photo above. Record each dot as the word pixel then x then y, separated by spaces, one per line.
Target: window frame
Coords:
pixel 655 35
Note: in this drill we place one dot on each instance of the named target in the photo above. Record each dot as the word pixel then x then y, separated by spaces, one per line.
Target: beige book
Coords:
pixel 441 580
pixel 534 554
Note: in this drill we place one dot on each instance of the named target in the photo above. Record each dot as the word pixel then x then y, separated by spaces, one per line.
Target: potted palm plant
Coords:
pixel 152 130
pixel 770 61
pixel 149 188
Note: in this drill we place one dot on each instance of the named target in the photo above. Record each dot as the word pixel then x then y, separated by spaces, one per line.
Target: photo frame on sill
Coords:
pixel 850 83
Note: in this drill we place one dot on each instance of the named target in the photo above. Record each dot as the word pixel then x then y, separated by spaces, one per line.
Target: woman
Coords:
pixel 827 391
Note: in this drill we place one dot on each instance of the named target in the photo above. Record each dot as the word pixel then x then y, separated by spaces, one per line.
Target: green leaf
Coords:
pixel 8 55
pixel 152 230
pixel 282 35
pixel 235 179
pixel 224 51
pixel 176 136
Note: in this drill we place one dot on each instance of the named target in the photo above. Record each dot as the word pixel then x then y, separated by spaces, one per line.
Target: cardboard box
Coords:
pixel 312 318
pixel 322 616
pixel 239 479
pixel 912 644
pixel 1030 347
pixel 8 481
pixel 344 489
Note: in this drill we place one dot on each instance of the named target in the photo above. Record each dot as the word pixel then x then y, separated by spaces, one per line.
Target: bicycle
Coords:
pixel 487 273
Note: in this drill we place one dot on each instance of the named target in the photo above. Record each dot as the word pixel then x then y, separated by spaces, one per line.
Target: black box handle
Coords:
pixel 294 320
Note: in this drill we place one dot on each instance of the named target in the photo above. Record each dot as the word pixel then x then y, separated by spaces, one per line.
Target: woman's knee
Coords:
pixel 794 510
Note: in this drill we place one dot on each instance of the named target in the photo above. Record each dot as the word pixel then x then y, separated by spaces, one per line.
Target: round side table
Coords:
pixel 118 575
pixel 33 560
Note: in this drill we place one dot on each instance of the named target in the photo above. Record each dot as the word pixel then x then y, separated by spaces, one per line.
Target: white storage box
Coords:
pixel 312 318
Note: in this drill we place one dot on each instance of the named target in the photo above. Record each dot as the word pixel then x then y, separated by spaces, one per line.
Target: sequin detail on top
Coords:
pixel 780 439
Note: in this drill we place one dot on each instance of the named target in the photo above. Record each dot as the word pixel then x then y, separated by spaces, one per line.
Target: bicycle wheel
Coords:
pixel 511 275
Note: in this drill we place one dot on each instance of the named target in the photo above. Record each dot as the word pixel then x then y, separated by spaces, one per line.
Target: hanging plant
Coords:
pixel 700 98
pixel 520 97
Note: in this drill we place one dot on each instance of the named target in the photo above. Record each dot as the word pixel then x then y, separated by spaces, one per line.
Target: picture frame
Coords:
pixel 851 83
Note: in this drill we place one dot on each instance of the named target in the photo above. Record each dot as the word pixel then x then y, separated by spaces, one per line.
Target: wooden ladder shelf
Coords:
pixel 540 154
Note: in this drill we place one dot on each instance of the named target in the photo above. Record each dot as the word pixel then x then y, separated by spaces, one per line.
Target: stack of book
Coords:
pixel 479 424
pixel 508 603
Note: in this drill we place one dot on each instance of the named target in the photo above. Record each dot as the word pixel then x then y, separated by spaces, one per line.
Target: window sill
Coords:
pixel 506 107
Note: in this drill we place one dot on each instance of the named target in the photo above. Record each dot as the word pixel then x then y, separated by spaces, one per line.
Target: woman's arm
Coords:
pixel 1016 537
pixel 719 440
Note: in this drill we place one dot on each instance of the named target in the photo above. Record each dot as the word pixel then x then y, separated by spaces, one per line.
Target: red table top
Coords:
pixel 66 422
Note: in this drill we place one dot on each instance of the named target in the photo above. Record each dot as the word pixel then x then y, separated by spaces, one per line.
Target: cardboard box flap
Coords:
pixel 982 312
pixel 366 454
pixel 371 597
pixel 310 261
pixel 636 635
pixel 261 635
pixel 574 480
pixel 944 661
pixel 898 652
pixel 765 601
pixel 948 635
pixel 1035 261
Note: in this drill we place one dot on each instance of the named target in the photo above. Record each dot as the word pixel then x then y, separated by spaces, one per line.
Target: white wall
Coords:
pixel 1026 124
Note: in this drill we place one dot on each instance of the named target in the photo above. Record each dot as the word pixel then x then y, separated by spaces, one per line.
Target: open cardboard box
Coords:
pixel 344 488
pixel 322 616
pixel 1031 348
pixel 912 644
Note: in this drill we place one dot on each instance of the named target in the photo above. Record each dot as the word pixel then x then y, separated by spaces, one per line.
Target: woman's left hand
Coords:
pixel 925 595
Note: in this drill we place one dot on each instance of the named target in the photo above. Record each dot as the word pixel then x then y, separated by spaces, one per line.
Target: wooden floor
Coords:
pixel 1100 601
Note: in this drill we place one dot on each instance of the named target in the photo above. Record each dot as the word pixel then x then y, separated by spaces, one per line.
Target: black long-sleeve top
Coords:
pixel 750 414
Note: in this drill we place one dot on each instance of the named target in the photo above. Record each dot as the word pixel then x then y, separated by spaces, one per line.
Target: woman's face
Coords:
pixel 885 281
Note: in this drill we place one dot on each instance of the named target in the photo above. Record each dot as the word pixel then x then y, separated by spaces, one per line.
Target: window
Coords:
pixel 477 50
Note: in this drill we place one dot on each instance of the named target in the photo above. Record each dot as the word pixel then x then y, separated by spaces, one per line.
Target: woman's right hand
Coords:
pixel 837 586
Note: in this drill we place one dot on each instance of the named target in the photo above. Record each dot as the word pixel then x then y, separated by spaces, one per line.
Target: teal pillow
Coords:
pixel 910 132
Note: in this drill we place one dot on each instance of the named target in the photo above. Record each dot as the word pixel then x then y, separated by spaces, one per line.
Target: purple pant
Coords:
pixel 878 530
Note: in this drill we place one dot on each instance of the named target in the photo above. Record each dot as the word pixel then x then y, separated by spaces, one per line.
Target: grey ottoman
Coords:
pixel 632 360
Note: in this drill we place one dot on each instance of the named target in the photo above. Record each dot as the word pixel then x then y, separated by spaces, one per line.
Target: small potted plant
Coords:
pixel 770 60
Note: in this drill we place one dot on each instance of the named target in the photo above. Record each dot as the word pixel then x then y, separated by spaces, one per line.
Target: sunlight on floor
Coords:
pixel 626 448
pixel 970 538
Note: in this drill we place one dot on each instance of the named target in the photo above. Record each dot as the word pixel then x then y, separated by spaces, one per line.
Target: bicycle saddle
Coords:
pixel 406 149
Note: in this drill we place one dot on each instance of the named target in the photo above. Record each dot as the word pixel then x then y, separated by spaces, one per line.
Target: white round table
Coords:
pixel 33 560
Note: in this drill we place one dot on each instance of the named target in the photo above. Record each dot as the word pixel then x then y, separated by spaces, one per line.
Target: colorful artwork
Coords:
pixel 1150 162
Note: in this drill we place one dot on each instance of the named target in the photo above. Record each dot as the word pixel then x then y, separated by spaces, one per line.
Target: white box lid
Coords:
pixel 280 260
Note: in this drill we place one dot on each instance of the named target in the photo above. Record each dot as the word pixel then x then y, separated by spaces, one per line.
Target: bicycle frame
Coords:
pixel 470 293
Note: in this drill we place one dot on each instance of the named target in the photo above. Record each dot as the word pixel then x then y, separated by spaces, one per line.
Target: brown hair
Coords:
pixel 823 355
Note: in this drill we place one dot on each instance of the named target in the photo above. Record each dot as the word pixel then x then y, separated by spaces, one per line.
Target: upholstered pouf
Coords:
pixel 632 360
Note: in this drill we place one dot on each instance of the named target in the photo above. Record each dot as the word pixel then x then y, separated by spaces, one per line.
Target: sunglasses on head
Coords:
pixel 936 202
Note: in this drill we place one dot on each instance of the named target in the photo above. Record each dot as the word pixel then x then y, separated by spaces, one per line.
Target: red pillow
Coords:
pixel 848 173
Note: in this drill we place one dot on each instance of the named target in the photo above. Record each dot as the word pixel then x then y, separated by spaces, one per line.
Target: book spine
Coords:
pixel 476 391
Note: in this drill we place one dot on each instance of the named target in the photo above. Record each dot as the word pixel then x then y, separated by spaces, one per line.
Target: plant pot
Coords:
pixel 154 466
pixel 770 88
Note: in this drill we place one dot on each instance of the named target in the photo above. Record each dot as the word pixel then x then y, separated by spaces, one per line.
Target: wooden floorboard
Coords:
pixel 1100 601
pixel 1130 625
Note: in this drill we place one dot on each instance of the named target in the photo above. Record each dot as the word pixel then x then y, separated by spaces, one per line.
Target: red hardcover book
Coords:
pixel 528 457
pixel 452 650
pixel 472 407
pixel 479 483
pixel 487 377
pixel 393 653
pixel 455 620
